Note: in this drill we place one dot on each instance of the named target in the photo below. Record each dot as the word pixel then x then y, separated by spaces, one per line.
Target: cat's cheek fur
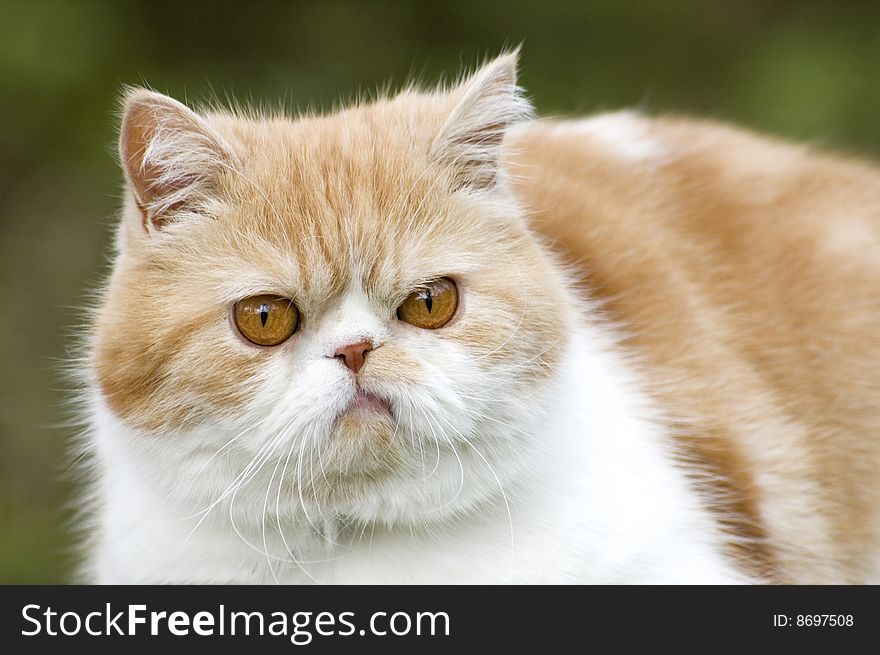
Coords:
pixel 443 399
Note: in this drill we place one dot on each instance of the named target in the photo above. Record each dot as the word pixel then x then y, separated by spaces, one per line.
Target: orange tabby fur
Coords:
pixel 746 274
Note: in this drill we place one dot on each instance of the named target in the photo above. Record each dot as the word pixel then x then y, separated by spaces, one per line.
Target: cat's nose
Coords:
pixel 354 354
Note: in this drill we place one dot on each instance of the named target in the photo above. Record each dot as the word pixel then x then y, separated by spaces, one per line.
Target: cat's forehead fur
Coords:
pixel 351 198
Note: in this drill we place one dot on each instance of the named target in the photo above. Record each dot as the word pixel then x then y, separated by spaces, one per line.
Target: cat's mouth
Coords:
pixel 367 402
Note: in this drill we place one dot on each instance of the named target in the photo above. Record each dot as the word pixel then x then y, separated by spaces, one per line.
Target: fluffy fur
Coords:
pixel 663 367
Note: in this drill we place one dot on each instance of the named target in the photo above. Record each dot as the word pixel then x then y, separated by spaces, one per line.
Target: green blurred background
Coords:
pixel 804 70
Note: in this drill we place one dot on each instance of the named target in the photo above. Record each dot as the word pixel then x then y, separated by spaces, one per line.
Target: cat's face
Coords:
pixel 414 322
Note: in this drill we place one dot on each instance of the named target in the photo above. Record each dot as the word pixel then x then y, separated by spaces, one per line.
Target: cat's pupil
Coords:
pixel 429 301
pixel 264 314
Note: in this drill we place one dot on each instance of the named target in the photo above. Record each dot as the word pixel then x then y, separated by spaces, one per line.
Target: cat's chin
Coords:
pixel 364 427
pixel 362 440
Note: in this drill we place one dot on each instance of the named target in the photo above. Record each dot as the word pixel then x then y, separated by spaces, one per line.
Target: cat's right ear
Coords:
pixel 171 157
pixel 485 106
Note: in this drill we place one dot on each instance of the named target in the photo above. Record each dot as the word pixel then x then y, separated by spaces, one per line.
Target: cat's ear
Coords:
pixel 171 157
pixel 484 106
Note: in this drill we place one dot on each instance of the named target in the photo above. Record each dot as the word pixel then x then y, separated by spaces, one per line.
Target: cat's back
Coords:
pixel 745 274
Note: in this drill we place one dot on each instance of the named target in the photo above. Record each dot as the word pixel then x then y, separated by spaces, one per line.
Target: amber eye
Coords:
pixel 266 320
pixel 432 306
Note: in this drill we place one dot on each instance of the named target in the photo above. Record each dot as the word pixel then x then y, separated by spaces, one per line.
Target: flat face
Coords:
pixel 227 322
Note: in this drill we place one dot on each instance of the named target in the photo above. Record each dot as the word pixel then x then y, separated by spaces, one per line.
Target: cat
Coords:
pixel 432 339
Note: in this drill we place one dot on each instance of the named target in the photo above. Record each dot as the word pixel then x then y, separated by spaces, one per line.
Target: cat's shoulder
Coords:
pixel 634 141
pixel 707 170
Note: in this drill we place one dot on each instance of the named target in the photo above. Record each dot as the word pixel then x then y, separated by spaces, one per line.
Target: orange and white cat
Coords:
pixel 427 339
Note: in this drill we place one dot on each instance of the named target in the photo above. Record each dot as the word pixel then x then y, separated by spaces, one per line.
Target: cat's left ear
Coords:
pixel 485 106
pixel 172 158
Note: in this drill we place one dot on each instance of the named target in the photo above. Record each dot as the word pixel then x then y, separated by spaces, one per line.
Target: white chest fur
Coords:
pixel 601 502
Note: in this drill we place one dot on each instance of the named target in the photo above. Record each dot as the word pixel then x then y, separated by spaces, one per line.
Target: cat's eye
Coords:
pixel 432 306
pixel 266 320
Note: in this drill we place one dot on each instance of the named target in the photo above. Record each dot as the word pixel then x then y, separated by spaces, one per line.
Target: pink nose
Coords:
pixel 354 354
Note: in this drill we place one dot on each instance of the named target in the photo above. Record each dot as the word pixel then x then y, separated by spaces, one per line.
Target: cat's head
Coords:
pixel 345 311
